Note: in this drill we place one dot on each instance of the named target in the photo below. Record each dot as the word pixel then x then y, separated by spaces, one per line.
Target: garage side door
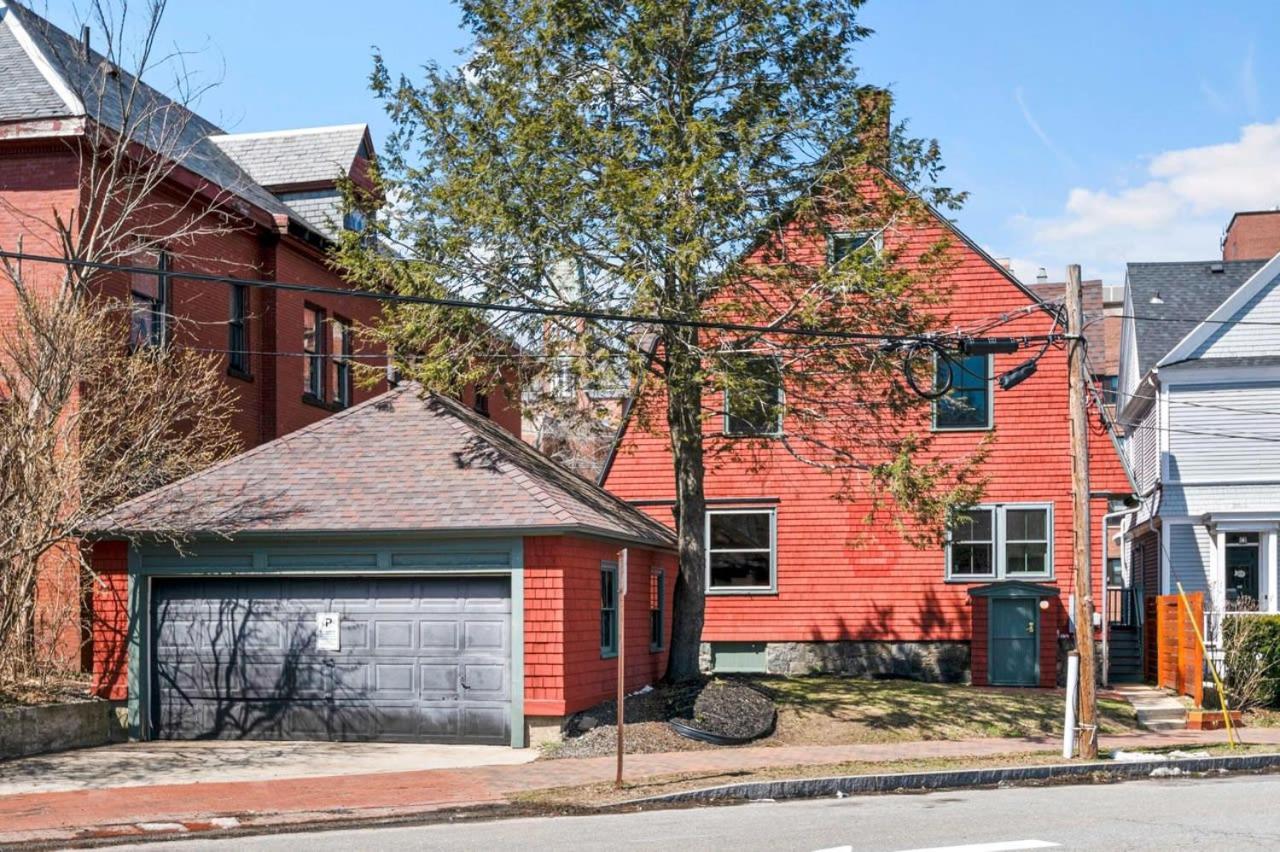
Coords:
pixel 418 659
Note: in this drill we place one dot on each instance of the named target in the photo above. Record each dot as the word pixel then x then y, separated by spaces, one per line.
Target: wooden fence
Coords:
pixel 1179 657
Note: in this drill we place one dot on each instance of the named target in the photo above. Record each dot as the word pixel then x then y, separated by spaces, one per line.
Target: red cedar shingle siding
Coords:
pixel 840 578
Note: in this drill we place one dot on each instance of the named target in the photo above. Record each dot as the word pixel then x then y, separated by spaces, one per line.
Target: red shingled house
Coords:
pixel 797 581
pixel 403 570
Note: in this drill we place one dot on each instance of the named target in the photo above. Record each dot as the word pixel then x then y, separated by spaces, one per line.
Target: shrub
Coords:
pixel 1251 660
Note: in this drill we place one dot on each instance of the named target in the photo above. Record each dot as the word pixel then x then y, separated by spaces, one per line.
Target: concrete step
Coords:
pixel 1163 726
pixel 1168 714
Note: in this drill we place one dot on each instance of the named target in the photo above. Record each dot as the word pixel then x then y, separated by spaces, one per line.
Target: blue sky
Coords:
pixel 1090 132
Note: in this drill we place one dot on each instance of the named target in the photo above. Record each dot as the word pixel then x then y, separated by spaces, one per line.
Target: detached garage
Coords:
pixel 402 571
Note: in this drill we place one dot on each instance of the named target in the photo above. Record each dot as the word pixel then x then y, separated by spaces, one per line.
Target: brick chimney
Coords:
pixel 1252 235
pixel 875 106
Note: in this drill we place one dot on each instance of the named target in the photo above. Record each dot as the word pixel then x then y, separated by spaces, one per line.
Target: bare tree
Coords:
pixel 99 399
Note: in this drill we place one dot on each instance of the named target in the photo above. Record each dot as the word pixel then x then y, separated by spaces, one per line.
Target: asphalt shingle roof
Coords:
pixel 1188 291
pixel 403 461
pixel 295 156
pixel 24 92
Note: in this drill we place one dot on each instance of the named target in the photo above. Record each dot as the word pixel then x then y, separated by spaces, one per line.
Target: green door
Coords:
pixel 1014 650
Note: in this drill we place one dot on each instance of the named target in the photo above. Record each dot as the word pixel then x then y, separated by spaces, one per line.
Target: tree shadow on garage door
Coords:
pixel 245 670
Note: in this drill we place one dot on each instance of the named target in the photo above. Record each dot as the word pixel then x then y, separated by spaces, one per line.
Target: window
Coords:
pixel 968 404
pixel 608 609
pixel 1115 572
pixel 481 405
pixel 753 406
pixel 842 244
pixel 353 220
pixel 313 346
pixel 1006 542
pixel 340 350
pixel 149 303
pixel 238 331
pixel 657 608
pixel 740 550
pixel 1109 387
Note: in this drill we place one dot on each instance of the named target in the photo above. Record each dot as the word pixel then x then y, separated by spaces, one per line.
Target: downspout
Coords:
pixel 1106 596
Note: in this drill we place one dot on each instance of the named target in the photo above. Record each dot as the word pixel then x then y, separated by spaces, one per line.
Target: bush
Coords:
pixel 1251 660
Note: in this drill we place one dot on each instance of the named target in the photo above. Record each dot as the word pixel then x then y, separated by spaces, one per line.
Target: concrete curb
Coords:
pixel 805 788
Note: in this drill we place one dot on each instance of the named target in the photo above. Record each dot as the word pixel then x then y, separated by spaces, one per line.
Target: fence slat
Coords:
pixel 1179 658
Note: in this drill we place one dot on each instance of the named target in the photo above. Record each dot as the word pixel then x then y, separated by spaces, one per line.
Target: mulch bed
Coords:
pixel 720 707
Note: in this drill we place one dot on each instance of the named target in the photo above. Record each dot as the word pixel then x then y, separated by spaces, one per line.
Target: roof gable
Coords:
pixel 289 157
pixel 401 462
pixel 1221 334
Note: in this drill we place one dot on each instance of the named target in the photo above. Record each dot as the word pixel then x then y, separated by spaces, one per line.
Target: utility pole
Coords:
pixel 623 571
pixel 1081 562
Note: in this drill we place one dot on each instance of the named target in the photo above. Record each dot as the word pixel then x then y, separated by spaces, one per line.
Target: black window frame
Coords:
pixel 238 361
pixel 156 308
pixel 965 379
pixel 609 576
pixel 658 611
pixel 738 425
pixel 711 551
pixel 315 359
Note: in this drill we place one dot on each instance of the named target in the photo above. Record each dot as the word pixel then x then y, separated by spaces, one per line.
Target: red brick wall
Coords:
pixel 564 671
pixel 110 625
pixel 1252 236
pixel 839 577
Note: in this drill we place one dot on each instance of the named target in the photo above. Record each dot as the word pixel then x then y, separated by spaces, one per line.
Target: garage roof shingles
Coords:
pixel 404 461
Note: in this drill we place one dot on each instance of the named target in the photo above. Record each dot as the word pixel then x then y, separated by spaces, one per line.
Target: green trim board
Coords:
pixel 1015 589
pixel 305 556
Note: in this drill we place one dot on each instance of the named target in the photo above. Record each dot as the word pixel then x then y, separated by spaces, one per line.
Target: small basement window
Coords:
pixel 738 657
pixel 740 551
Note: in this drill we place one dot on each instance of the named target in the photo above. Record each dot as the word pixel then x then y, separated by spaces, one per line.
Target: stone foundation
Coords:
pixel 938 662
pixel 543 729
pixel 26 731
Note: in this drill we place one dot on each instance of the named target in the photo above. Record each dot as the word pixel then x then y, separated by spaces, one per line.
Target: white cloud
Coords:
pixel 1176 213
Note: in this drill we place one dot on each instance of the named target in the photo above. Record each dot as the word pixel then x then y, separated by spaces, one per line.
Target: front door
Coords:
pixel 1013 655
pixel 1242 571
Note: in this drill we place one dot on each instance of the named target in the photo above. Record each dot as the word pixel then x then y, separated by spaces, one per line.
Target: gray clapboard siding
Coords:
pixel 1144 447
pixel 1214 432
pixel 1189 558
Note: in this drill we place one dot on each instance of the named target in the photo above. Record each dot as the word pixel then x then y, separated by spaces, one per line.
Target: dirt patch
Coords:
pixel 725 708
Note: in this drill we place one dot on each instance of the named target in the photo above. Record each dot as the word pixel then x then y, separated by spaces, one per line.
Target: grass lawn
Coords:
pixel 838 711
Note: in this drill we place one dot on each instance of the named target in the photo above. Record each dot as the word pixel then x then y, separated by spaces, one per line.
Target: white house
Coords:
pixel 1199 399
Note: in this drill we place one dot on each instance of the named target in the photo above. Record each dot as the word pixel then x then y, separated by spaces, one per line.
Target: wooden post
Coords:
pixel 1082 563
pixel 622 658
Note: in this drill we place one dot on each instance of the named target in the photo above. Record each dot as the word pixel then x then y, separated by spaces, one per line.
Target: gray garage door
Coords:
pixel 417 659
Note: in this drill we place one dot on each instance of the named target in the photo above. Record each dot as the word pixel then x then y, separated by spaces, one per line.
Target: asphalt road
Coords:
pixel 1235 813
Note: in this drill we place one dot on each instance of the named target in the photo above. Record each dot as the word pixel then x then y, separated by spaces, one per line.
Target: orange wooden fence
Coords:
pixel 1179 658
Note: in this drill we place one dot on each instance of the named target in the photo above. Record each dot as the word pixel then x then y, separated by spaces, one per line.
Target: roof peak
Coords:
pixel 296 131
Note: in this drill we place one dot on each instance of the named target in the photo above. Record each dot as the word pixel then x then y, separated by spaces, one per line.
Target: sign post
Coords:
pixel 622 657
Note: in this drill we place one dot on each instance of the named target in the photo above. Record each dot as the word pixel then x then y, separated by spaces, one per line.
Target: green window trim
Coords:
pixel 608 609
pixel 1001 534
pixel 658 612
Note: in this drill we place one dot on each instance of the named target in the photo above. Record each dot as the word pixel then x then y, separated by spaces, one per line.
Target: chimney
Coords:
pixel 1252 235
pixel 84 42
pixel 1042 277
pixel 875 106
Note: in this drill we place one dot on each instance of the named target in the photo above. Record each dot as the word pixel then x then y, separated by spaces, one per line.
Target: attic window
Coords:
pixel 354 221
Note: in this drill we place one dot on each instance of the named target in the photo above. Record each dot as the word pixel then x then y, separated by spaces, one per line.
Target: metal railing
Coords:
pixel 1120 606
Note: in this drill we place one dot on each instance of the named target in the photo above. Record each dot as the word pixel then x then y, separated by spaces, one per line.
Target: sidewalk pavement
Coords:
pixel 125 811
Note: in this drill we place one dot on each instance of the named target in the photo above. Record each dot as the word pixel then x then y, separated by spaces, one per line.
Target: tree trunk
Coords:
pixel 684 418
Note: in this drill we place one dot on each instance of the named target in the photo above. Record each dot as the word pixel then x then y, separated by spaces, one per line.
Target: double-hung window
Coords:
pixel 149 303
pixel 313 357
pixel 608 609
pixel 238 331
pixel 1001 542
pixel 741 552
pixel 657 608
pixel 340 351
pixel 753 399
pixel 967 405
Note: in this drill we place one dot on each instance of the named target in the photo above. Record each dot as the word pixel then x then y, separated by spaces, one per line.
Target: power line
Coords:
pixel 466 304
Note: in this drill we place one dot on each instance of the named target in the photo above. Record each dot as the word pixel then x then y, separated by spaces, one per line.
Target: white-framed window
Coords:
pixel 753 407
pixel 841 244
pixel 741 551
pixel 1004 541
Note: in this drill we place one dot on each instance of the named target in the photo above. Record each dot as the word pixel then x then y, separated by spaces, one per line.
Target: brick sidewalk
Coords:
pixel 64 815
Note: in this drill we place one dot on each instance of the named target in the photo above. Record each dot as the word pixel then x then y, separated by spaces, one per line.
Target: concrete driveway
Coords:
pixel 152 763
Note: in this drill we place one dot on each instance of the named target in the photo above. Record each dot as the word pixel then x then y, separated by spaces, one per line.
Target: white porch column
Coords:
pixel 1270 546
